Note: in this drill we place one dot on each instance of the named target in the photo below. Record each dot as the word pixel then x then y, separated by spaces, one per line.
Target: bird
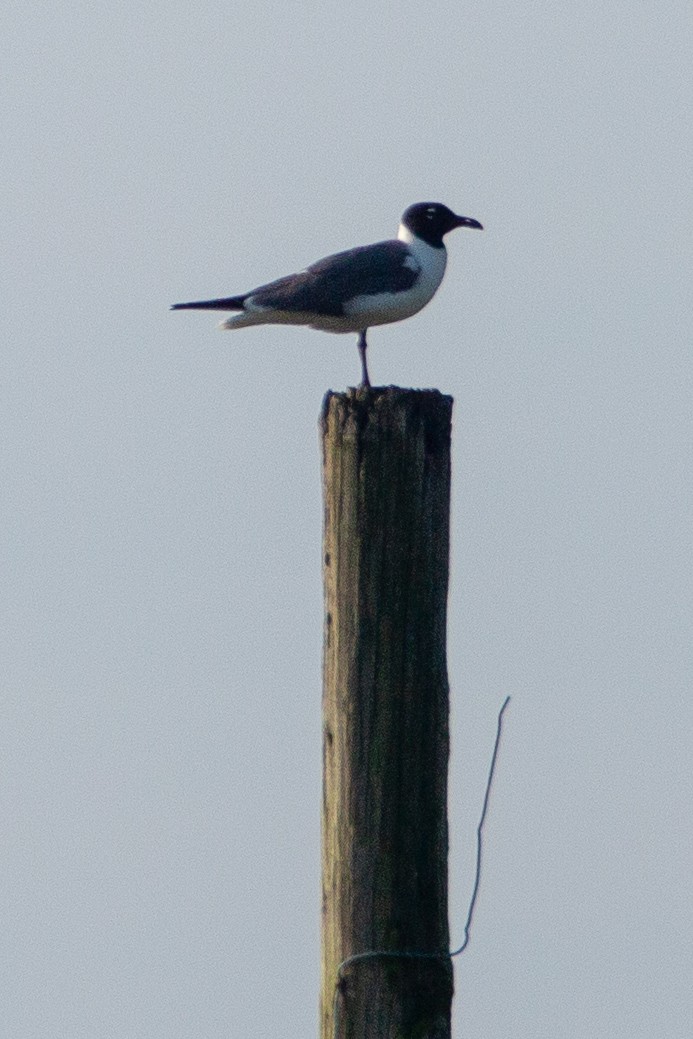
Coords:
pixel 353 290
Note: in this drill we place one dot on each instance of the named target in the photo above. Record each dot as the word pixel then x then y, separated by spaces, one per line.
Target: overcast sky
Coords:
pixel 161 618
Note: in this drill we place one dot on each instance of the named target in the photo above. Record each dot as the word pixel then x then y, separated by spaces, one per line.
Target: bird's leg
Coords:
pixel 365 381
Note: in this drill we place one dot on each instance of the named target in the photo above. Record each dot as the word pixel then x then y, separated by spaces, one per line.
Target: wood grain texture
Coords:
pixel 386 473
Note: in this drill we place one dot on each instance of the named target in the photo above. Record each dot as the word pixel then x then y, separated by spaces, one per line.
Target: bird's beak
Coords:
pixel 467 221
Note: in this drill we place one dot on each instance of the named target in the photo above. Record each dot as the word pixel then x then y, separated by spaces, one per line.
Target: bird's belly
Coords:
pixel 366 311
pixel 385 307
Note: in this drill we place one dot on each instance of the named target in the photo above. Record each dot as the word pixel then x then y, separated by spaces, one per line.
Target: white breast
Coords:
pixel 365 311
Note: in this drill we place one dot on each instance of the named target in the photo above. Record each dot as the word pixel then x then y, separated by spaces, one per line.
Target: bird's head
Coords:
pixel 430 221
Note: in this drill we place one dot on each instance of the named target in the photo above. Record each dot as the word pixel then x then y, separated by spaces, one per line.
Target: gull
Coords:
pixel 353 290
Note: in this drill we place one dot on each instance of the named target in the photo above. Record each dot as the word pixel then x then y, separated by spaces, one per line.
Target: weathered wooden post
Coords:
pixel 386 474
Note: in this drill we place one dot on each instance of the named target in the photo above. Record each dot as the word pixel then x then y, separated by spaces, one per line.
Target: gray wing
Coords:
pixel 326 285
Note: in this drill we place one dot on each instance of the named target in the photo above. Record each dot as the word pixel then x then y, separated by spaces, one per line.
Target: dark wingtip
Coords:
pixel 229 303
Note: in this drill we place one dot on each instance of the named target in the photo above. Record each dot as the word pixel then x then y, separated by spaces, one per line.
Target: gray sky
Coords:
pixel 161 616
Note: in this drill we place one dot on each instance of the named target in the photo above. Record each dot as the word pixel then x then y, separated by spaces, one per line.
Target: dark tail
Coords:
pixel 230 303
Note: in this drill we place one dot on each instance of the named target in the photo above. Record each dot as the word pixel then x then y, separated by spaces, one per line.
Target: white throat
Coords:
pixel 431 259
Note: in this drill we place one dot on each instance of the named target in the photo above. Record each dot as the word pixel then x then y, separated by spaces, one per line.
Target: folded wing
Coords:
pixel 327 285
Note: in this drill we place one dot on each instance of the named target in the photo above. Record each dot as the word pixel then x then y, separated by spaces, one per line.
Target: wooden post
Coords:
pixel 386 471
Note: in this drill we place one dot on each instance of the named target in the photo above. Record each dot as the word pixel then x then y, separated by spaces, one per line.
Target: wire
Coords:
pixel 404 954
